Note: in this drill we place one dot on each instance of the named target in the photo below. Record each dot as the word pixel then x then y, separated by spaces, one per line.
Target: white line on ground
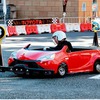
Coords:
pixel 95 77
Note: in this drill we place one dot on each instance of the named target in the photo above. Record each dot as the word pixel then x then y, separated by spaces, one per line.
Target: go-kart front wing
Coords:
pixel 26 70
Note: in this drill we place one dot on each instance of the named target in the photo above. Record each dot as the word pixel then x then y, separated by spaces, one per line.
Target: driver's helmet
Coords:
pixel 60 35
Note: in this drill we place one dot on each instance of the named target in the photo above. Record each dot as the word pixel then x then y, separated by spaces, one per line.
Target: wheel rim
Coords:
pixel 98 67
pixel 62 71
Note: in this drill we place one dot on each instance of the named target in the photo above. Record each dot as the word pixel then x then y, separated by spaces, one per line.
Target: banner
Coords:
pixel 31 21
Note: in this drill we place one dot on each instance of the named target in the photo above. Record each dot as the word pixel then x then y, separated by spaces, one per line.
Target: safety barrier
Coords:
pixel 31 29
pixel 12 30
pixel 86 27
pixel 89 26
pixel 72 27
pixel 58 27
pixel 21 30
pixel 47 28
pixel 44 28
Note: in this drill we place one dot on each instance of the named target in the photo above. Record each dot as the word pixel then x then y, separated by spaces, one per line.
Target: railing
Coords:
pixel 1 21
pixel 74 20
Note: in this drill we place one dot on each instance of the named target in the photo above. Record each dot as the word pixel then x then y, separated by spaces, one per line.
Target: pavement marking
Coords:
pixel 95 77
pixel 11 78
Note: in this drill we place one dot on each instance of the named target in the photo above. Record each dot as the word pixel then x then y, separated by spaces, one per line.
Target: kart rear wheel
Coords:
pixel 62 70
pixel 97 67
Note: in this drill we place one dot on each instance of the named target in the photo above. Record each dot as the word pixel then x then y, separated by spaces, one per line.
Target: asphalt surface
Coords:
pixel 73 86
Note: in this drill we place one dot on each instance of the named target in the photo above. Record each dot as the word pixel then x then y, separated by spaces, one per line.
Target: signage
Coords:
pixel 95 7
pixel 84 6
pixel 29 22
pixel 2 34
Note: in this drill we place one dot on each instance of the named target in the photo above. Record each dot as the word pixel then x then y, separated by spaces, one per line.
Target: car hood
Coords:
pixel 25 54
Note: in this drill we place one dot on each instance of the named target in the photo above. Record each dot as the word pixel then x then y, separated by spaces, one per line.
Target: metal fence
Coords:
pixel 2 22
pixel 74 20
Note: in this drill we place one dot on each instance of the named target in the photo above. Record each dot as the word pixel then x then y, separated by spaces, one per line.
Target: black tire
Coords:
pixel 17 68
pixel 97 67
pixel 62 70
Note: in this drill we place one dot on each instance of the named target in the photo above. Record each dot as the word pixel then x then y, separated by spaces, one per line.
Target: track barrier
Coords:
pixel 72 27
pixel 69 27
pixel 86 27
pixel 11 30
pixel 89 26
pixel 58 27
pixel 46 28
pixel 31 29
pixel 21 30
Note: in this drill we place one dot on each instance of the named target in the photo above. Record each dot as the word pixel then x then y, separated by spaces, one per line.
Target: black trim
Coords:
pixel 3 69
pixel 25 68
pixel 29 63
pixel 20 67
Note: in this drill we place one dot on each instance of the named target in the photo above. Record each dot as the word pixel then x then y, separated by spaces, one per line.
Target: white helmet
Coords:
pixel 60 35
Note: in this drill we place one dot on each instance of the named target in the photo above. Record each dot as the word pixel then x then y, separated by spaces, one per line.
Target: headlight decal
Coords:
pixel 48 57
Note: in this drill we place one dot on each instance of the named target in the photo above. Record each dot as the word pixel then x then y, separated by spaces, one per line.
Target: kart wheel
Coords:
pixel 97 67
pixel 62 70
pixel 19 69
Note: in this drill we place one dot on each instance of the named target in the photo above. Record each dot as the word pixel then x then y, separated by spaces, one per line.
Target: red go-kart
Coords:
pixel 81 59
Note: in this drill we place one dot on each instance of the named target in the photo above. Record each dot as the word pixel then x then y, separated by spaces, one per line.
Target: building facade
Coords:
pixel 54 8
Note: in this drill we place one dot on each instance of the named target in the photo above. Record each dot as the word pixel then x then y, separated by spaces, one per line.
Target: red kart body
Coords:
pixel 79 60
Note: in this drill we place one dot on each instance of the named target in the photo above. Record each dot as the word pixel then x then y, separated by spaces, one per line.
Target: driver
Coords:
pixel 59 37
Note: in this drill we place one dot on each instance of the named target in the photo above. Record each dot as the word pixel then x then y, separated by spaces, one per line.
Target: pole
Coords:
pixel 4 19
pixel 4 10
pixel 95 39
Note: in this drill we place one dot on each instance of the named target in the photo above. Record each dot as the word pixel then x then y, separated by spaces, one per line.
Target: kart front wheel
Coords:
pixel 97 67
pixel 62 70
pixel 19 69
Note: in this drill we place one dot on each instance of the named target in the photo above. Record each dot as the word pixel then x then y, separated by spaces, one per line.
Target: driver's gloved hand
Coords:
pixel 45 48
